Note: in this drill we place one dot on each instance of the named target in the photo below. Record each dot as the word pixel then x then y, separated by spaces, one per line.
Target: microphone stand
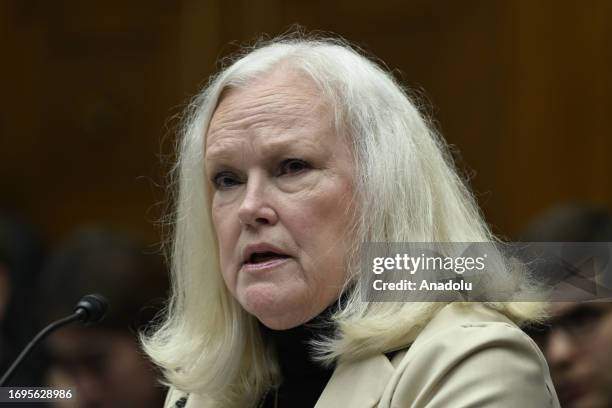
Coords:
pixel 77 315
pixel 90 309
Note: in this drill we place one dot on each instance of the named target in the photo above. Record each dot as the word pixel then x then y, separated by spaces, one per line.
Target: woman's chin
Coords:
pixel 275 308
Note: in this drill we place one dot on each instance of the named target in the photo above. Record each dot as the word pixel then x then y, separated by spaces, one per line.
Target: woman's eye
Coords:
pixel 225 180
pixel 292 166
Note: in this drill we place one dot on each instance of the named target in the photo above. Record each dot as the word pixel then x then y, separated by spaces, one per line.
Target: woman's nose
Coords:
pixel 256 208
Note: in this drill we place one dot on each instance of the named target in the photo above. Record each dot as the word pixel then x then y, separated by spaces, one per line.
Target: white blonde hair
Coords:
pixel 407 191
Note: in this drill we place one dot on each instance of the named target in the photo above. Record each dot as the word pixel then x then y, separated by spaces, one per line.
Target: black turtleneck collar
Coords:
pixel 302 379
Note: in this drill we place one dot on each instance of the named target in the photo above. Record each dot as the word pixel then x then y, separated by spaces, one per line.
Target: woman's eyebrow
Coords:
pixel 218 155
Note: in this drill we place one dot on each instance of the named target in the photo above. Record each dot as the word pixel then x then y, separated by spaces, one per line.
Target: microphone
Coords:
pixel 89 310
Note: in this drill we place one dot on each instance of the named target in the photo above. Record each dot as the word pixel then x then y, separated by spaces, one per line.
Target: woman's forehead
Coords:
pixel 278 107
pixel 271 103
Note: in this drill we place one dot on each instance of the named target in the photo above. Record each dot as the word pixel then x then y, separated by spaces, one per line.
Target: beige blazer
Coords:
pixel 467 356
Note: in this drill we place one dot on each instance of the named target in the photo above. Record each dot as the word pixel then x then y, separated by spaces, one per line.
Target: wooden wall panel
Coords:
pixel 90 88
pixel 521 89
pixel 559 107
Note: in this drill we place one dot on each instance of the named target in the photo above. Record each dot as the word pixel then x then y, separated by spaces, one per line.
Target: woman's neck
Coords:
pixel 302 378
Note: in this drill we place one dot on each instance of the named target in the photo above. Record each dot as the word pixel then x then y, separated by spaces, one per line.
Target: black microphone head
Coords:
pixel 92 308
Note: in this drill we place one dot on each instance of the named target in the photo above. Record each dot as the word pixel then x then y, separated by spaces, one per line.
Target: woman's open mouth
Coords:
pixel 264 260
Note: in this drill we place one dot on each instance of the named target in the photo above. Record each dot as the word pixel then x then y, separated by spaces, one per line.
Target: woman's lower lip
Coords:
pixel 260 266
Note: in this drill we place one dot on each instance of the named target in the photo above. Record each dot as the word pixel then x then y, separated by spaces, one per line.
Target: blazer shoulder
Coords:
pixel 471 356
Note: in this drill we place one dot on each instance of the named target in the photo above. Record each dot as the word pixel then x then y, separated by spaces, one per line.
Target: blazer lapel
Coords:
pixel 358 384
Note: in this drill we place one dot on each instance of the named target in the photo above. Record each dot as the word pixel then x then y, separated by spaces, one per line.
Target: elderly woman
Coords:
pixel 292 158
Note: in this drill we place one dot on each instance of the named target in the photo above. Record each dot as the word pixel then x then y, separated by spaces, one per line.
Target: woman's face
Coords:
pixel 281 182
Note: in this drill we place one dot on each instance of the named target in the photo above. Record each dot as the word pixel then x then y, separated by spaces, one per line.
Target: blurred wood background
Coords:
pixel 521 89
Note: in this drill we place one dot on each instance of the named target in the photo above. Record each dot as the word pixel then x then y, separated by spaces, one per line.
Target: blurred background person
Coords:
pixel 103 363
pixel 578 338
pixel 21 256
